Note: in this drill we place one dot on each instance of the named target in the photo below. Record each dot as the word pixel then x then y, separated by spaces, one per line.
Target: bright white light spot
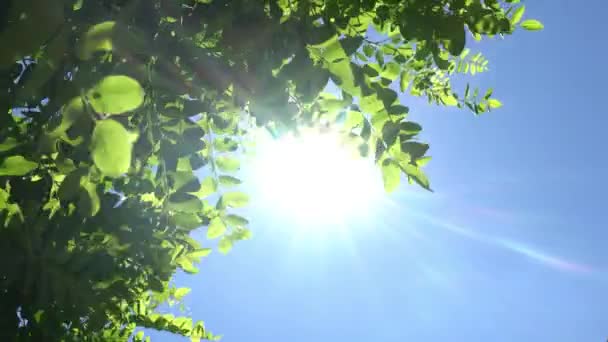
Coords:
pixel 315 177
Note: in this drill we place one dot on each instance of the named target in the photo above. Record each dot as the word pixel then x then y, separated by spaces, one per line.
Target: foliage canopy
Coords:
pixel 115 106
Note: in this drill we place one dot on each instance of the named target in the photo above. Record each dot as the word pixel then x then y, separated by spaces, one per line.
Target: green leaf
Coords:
pixel 181 292
pixel 353 119
pixel 410 128
pixel 186 220
pixel 227 164
pixel 417 175
pixel 97 38
pixel 405 81
pixel 116 95
pixel 240 234
pixel 494 103
pixel 198 254
pixel 69 188
pixel 225 245
pixel 234 199
pixel 420 162
pixel 391 175
pixel 380 57
pixel 532 25
pixel 229 181
pixel 8 144
pixel 414 149
pixel 225 145
pixel 368 50
pixel 518 14
pixel 77 5
pixel 89 203
pixel 208 187
pixel 71 112
pixel 111 148
pixel 216 228
pixel 184 181
pixel 449 99
pixel 236 221
pixel 398 110
pixel 38 316
pixel 187 265
pixel 186 203
pixel 390 131
pixel 16 166
pixel 391 71
pixel 139 337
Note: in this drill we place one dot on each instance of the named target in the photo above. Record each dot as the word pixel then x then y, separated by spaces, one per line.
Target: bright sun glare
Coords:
pixel 315 177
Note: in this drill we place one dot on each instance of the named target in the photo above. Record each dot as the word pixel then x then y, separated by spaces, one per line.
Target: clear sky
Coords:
pixel 512 246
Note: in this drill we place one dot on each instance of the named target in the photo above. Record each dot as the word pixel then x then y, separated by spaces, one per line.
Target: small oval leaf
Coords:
pixel 116 94
pixel 111 148
pixel 532 25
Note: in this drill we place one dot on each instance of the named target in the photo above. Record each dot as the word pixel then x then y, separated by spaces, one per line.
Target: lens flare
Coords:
pixel 510 245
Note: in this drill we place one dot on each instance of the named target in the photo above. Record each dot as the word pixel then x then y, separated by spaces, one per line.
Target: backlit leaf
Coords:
pixel 16 166
pixel 8 144
pixel 181 292
pixel 200 253
pixel 518 14
pixel 111 148
pixel 97 38
pixel 216 228
pixel 227 163
pixel 417 175
pixel 236 221
pixel 225 245
pixel 234 199
pixel 391 175
pixel 532 25
pixel 494 103
pixel 208 187
pixel 116 95
pixel 186 203
pixel 229 181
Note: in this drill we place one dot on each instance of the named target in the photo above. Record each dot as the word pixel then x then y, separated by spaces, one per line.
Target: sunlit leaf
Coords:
pixel 8 144
pixel 216 228
pixel 187 265
pixel 97 38
pixel 234 199
pixel 532 25
pixel 116 95
pixel 181 292
pixel 77 5
pixel 518 14
pixel 225 245
pixel 198 254
pixel 227 163
pixel 229 181
pixel 236 221
pixel 208 187
pixel 111 147
pixel 391 175
pixel 417 175
pixel 494 103
pixel 186 203
pixel 89 202
pixel 16 166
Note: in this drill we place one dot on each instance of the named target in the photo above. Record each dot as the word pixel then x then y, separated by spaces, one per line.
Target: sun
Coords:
pixel 315 177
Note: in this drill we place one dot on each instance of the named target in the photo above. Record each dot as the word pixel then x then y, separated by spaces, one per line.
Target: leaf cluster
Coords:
pixel 123 122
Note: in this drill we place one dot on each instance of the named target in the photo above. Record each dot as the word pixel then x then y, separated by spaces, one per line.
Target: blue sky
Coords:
pixel 510 247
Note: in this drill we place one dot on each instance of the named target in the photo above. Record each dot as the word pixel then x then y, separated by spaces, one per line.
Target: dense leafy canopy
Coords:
pixel 112 109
